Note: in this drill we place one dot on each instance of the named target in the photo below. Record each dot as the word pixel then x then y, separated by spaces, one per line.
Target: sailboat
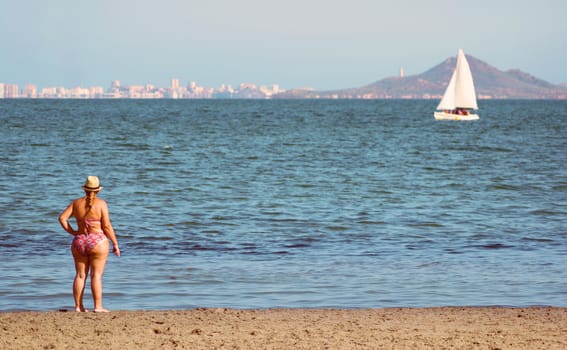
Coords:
pixel 460 97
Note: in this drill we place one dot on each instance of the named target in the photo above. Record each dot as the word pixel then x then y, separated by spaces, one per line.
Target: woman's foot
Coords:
pixel 80 309
pixel 101 310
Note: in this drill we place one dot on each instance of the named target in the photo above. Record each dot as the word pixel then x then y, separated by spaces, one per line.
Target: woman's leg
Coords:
pixel 98 258
pixel 79 283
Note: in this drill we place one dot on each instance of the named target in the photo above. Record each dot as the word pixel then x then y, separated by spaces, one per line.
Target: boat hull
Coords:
pixel 450 116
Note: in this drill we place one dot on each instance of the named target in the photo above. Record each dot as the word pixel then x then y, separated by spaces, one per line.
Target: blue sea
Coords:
pixel 289 203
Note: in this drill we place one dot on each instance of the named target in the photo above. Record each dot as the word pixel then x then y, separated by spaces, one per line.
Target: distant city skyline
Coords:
pixel 116 89
pixel 323 45
pixel 397 86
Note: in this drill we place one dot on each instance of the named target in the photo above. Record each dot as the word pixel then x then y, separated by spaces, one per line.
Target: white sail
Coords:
pixel 460 92
pixel 448 100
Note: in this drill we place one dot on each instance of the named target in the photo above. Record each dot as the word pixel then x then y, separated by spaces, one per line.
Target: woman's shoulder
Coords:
pixel 78 201
pixel 100 203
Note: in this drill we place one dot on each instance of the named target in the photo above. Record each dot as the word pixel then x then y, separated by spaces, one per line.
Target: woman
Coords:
pixel 90 245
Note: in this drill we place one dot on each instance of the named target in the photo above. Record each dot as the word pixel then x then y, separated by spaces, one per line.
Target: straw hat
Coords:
pixel 92 184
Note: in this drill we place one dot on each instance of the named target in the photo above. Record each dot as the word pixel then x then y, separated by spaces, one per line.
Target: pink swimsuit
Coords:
pixel 85 243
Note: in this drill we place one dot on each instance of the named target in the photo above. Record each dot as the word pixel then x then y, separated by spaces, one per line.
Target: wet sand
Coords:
pixel 395 328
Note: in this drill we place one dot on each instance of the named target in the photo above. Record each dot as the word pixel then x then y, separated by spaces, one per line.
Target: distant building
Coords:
pixel 78 92
pixel 48 92
pixel 29 91
pixel 401 72
pixel 136 91
pixel 11 91
pixel 96 91
pixel 269 91
pixel 174 90
pixel 1 90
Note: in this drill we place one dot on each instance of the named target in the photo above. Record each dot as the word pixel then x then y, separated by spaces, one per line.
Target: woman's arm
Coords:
pixel 64 220
pixel 108 229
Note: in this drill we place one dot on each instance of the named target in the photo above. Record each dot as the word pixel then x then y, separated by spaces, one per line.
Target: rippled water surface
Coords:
pixel 256 204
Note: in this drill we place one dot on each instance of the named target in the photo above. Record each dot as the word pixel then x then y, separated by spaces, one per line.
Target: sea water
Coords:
pixel 297 203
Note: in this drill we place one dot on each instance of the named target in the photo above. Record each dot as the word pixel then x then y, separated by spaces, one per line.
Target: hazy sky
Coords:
pixel 323 44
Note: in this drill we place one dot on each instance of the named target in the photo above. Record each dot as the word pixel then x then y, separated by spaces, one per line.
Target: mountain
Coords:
pixel 490 83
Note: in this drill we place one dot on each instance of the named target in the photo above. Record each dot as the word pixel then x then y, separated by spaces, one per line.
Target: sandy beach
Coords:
pixel 395 328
